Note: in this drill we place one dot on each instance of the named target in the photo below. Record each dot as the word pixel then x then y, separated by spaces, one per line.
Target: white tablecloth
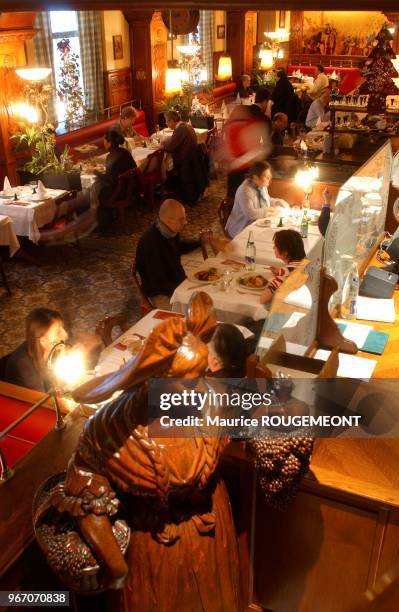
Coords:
pixel 202 134
pixel 237 305
pixel 116 355
pixel 7 234
pixel 27 219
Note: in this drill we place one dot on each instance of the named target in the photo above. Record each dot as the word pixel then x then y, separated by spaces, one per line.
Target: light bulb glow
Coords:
pixel 304 178
pixel 266 59
pixel 173 81
pixel 69 367
pixel 224 68
pixel 25 111
pixel 33 74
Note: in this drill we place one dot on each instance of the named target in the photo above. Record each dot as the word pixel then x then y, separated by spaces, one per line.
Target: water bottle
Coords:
pixel 250 253
pixel 350 293
pixel 304 224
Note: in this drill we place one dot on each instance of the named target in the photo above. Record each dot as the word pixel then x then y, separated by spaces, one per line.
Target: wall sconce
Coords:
pixel 25 111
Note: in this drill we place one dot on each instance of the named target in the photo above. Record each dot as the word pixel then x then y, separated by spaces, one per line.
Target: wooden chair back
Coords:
pixel 105 327
pixel 153 166
pixel 224 209
pixel 146 304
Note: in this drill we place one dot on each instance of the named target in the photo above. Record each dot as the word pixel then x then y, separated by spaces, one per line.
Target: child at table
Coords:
pixel 288 246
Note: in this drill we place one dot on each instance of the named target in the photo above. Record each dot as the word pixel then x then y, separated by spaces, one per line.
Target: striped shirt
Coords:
pixel 282 274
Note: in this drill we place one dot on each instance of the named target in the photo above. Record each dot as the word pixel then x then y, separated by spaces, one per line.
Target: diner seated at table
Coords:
pixel 252 200
pixel 318 113
pixel 284 97
pixel 227 352
pixel 288 246
pixel 118 161
pixel 159 251
pixel 127 118
pixel 244 89
pixel 320 84
pixel 183 140
pixel 279 125
pixel 26 365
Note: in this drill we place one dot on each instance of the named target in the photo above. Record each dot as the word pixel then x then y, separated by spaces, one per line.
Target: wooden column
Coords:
pixel 235 39
pixel 159 55
pixel 15 28
pixel 141 61
pixel 296 27
pixel 250 27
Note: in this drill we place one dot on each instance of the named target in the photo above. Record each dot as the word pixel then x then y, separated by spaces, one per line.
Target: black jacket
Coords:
pixel 117 162
pixel 20 370
pixel 158 261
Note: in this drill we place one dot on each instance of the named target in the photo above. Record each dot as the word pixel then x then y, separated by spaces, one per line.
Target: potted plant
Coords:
pixel 176 103
pixel 54 170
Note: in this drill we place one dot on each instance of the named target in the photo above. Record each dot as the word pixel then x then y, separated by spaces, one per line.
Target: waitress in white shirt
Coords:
pixel 252 200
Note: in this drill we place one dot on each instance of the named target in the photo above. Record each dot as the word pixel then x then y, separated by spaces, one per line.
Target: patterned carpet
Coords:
pixel 85 287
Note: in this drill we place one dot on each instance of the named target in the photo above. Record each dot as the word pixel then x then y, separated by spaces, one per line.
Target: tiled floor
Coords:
pixel 89 286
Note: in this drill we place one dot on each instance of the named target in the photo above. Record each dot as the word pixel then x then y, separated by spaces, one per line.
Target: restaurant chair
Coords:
pixel 146 304
pixel 206 245
pixel 106 326
pixel 224 209
pixel 64 230
pixel 151 176
pixel 124 195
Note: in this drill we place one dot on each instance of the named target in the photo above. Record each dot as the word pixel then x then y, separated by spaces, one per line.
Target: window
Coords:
pixel 64 24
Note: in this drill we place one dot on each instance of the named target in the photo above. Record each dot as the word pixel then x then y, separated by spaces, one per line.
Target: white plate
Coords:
pixel 251 289
pixel 6 197
pixel 263 222
pixel 193 279
pixel 35 198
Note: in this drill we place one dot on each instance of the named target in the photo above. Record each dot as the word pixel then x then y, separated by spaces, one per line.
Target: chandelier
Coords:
pixel 193 72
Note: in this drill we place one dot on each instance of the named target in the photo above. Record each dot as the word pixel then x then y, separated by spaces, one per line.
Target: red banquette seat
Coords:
pixel 350 78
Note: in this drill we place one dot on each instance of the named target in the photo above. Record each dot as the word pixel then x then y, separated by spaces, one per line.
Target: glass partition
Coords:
pixel 294 309
pixel 359 218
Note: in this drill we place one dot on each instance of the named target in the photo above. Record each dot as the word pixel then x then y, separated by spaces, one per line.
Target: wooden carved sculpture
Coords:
pixel 182 553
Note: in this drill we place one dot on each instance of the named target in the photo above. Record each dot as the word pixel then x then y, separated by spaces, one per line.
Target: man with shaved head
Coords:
pixel 159 251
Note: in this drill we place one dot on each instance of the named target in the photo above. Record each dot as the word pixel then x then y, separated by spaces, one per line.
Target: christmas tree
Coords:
pixel 379 73
pixel 70 92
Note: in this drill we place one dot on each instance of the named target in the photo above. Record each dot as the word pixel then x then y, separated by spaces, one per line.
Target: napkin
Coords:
pixel 7 189
pixel 41 190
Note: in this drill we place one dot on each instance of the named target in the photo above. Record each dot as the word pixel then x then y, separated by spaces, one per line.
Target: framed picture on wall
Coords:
pixel 118 46
pixel 220 31
pixel 281 19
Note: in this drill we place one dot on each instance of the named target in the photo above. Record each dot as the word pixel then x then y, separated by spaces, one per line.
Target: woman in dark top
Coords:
pixel 244 86
pixel 284 97
pixel 27 365
pixel 118 161
pixel 227 352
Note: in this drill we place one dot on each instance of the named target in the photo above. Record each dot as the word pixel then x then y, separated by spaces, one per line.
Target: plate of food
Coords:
pixel 252 282
pixel 206 275
pixel 6 196
pixel 263 222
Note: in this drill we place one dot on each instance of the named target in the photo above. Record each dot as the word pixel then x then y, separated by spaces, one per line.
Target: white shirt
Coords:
pixel 249 205
pixel 317 112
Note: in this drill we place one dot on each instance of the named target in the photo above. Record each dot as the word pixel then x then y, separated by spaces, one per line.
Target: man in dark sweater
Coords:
pixel 158 254
pixel 183 140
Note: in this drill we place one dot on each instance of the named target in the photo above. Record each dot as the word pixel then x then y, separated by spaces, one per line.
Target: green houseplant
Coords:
pixel 39 142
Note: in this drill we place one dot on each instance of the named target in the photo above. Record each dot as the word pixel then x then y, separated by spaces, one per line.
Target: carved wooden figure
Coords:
pixel 182 553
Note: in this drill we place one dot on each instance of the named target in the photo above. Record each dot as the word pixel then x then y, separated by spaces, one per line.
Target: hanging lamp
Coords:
pixel 173 72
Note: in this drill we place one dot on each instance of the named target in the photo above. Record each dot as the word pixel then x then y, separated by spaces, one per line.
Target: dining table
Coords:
pixel 130 342
pixel 30 211
pixel 7 234
pixel 234 301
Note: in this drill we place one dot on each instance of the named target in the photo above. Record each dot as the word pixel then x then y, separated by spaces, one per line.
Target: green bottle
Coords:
pixel 280 223
pixel 304 224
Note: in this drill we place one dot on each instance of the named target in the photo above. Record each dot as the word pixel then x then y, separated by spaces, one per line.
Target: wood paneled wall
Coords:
pixel 118 86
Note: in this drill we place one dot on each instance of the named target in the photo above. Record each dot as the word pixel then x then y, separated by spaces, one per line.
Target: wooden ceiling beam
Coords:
pixel 131 5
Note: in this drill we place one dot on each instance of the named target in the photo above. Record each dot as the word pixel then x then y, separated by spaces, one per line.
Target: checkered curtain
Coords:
pixel 206 40
pixel 91 55
pixel 44 57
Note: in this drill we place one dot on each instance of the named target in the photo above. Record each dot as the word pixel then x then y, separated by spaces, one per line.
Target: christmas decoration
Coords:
pixel 379 73
pixel 70 92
